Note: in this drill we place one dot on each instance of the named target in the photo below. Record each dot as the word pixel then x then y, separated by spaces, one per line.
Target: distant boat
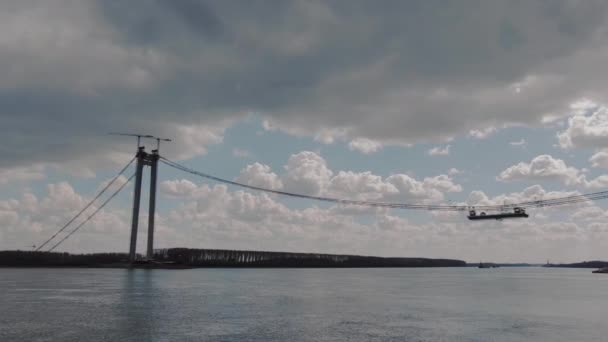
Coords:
pixel 601 270
pixel 482 265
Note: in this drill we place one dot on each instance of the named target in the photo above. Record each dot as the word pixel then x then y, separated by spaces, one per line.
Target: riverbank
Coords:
pixel 210 258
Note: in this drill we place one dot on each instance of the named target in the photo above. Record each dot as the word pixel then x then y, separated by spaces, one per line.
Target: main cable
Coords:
pixel 101 192
pixel 93 214
pixel 434 207
pixel 318 198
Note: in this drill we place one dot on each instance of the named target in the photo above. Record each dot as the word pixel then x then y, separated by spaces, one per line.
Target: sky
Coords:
pixel 433 102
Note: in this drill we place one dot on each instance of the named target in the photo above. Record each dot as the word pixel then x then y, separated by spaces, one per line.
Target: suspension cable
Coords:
pixel 93 214
pixel 101 192
pixel 434 207
pixel 318 198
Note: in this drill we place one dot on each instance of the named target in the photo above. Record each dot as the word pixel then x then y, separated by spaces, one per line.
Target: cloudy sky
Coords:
pixel 472 102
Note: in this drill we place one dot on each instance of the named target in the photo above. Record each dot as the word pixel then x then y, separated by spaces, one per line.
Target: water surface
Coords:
pixel 432 304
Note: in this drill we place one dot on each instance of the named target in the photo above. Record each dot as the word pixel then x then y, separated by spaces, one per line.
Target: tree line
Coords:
pixel 217 258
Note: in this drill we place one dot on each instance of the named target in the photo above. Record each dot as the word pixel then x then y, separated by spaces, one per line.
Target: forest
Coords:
pixel 216 258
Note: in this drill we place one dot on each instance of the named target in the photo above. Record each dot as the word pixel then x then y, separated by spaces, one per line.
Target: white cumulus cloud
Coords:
pixel 307 172
pixel 542 167
pixel 599 159
pixel 439 151
pixel 587 128
pixel 365 146
pixel 261 175
pixel 545 167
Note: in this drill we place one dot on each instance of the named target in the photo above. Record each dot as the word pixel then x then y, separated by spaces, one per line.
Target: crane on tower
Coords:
pixel 139 136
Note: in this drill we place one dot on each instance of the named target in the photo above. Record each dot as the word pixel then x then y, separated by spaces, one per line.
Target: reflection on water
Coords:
pixel 139 296
pixel 463 304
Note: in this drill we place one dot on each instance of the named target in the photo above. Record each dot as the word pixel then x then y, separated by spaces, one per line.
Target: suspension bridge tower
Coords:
pixel 144 159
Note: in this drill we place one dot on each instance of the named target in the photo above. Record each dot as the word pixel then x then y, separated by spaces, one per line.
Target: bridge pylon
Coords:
pixel 144 159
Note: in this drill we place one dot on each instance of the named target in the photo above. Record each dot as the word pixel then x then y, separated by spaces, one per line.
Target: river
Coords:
pixel 396 304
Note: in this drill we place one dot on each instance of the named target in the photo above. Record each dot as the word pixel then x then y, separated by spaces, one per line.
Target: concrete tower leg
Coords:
pixel 136 199
pixel 152 208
